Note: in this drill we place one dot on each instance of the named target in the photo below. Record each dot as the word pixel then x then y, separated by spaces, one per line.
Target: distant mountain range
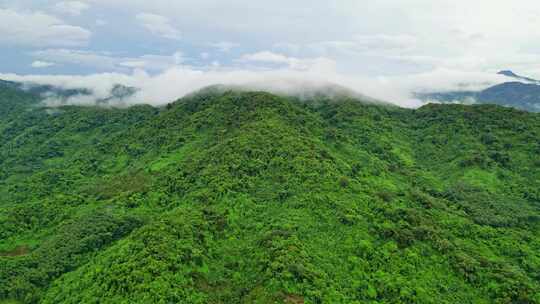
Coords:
pixel 511 74
pixel 118 92
pixel 523 94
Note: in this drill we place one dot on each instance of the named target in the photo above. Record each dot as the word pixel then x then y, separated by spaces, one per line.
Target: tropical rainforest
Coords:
pixel 235 196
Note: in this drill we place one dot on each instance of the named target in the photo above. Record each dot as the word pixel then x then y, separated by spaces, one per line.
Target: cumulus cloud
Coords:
pixel 267 56
pixel 101 61
pixel 159 25
pixel 292 62
pixel 107 61
pixel 73 8
pixel 178 81
pixel 154 62
pixel 38 29
pixel 386 49
pixel 398 36
pixel 373 44
pixel 173 83
pixel 225 46
pixel 42 64
pixel 101 84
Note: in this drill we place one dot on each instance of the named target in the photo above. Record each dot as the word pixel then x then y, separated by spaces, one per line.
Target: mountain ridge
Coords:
pixel 511 74
pixel 242 197
pixel 57 95
pixel 517 94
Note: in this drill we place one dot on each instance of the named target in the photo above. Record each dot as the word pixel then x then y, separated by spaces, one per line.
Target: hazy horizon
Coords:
pixel 386 50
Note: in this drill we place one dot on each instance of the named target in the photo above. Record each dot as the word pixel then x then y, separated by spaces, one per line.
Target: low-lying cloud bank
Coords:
pixel 178 81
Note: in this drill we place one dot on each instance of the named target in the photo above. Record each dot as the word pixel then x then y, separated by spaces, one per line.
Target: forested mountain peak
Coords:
pixel 242 196
pixel 307 91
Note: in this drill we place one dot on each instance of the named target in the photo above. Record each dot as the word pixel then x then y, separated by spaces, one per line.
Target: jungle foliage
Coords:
pixel 248 197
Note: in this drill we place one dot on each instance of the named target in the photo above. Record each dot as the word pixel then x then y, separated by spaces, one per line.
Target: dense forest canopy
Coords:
pixel 248 197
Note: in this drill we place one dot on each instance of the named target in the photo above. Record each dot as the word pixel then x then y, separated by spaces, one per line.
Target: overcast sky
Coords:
pixel 383 48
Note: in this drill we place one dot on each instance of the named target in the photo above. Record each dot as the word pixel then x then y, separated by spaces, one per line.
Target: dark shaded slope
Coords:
pixel 13 101
pixel 524 96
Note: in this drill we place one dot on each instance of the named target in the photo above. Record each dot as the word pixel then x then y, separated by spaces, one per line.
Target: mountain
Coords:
pixel 118 94
pixel 54 92
pixel 8 84
pixel 518 77
pixel 311 92
pixel 234 196
pixel 517 94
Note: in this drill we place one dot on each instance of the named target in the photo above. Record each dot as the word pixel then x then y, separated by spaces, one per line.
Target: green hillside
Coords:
pixel 248 197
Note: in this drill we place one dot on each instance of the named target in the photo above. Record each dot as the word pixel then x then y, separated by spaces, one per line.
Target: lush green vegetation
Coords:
pixel 247 197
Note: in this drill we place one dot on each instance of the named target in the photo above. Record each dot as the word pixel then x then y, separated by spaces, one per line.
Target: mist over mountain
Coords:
pixel 52 95
pixel 269 152
pixel 523 94
pixel 122 95
pixel 518 77
pixel 307 91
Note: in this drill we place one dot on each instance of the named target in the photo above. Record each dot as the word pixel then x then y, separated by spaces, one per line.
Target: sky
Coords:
pixel 387 49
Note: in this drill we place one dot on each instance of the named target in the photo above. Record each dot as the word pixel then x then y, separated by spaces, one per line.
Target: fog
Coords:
pixel 176 82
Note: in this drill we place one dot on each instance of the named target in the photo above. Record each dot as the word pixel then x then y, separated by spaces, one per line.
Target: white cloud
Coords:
pixel 267 56
pixel 225 46
pixel 73 8
pixel 385 41
pixel 354 31
pixel 100 61
pixel 39 30
pixel 385 48
pixel 373 44
pixel 108 62
pixel 101 22
pixel 134 64
pixel 154 62
pixel 261 70
pixel 291 62
pixel 42 64
pixel 101 84
pixel 157 89
pixel 159 25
